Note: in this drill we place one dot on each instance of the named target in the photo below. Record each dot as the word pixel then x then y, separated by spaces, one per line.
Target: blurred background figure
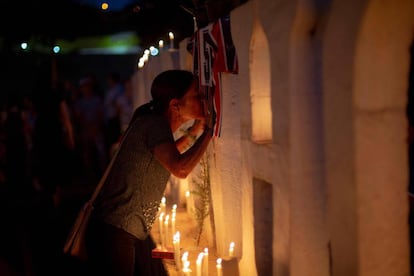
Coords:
pixel 112 126
pixel 89 118
pixel 125 109
pixel 17 178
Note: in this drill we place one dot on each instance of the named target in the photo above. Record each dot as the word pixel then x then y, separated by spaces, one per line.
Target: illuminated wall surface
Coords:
pixel 310 174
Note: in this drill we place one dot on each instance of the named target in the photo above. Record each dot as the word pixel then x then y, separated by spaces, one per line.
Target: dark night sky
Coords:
pixel 71 19
pixel 52 20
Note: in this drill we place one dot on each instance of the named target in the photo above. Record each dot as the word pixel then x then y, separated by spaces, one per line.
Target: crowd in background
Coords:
pixel 55 143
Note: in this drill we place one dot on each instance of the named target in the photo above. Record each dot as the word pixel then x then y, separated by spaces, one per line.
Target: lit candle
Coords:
pixel 218 266
pixel 176 244
pixel 231 249
pixel 186 268
pixel 184 258
pixel 195 24
pixel 199 262
pixel 166 235
pixel 174 209
pixel 163 204
pixel 161 44
pixel 171 35
pixel 160 221
pixel 173 223
pixel 205 262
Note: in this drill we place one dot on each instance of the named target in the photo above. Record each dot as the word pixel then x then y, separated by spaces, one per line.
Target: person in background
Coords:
pixel 16 148
pixel 118 235
pixel 52 141
pixel 53 135
pixel 125 105
pixel 112 127
pixel 125 109
pixel 89 118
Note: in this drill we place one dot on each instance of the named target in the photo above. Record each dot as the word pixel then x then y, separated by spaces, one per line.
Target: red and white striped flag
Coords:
pixel 213 53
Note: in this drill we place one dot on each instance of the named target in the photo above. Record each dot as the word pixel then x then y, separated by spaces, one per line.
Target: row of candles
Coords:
pixel 161 42
pixel 183 265
pixel 181 261
pixel 154 51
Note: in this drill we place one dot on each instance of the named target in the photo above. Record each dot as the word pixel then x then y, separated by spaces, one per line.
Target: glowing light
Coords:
pixel 218 266
pixel 205 262
pixel 56 49
pixel 24 45
pixel 104 6
pixel 161 44
pixel 176 245
pixel 199 263
pixel 231 249
pixel 171 35
pixel 154 51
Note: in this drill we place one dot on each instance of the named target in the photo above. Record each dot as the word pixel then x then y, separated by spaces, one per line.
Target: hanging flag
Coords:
pixel 213 53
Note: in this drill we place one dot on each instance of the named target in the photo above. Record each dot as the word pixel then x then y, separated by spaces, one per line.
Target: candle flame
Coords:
pixel 185 256
pixel 200 258
pixel 177 236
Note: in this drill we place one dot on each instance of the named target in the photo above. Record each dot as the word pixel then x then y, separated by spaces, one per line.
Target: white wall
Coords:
pixel 337 157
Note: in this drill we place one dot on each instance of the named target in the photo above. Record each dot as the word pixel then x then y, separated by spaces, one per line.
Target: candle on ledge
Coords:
pixel 186 268
pixel 218 266
pixel 231 249
pixel 166 235
pixel 176 244
pixel 171 35
pixel 195 24
pixel 174 209
pixel 173 222
pixel 184 258
pixel 160 223
pixel 199 264
pixel 163 204
pixel 205 262
pixel 161 44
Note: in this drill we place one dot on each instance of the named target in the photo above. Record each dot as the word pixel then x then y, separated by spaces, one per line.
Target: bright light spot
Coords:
pixel 104 6
pixel 145 56
pixel 154 51
pixel 161 43
pixel 23 45
pixel 56 49
pixel 171 35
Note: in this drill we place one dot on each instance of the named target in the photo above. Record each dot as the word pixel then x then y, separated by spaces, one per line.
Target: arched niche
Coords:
pixel 260 93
